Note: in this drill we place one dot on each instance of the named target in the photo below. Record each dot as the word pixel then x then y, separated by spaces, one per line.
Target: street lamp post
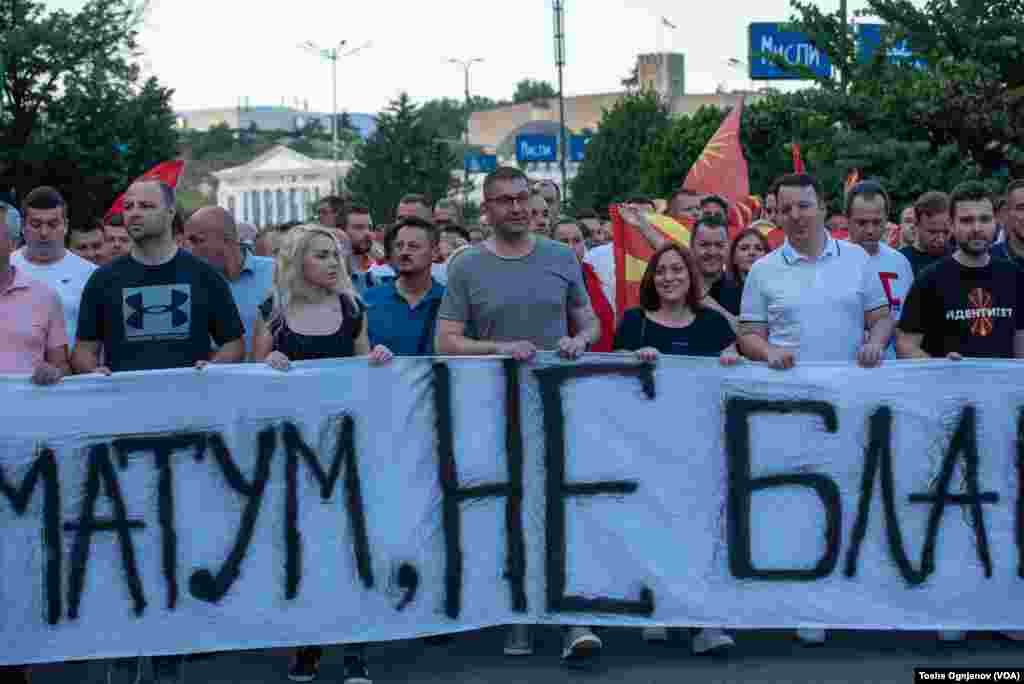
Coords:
pixel 559 7
pixel 333 55
pixel 465 65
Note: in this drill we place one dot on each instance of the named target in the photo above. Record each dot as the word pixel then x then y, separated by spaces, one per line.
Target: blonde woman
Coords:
pixel 313 311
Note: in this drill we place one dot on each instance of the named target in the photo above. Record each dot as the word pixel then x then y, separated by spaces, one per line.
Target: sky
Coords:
pixel 213 52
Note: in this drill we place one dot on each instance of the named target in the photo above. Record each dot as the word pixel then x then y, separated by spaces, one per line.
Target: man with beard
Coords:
pixel 486 293
pixel 1012 248
pixel 931 231
pixel 402 314
pixel 969 304
pixel 710 246
pixel 358 227
pixel 44 257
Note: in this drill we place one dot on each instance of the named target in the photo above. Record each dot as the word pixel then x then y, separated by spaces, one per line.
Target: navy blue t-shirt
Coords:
pixel 151 317
pixel 708 335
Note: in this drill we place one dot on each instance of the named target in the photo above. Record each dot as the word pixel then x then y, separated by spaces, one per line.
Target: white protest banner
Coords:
pixel 179 511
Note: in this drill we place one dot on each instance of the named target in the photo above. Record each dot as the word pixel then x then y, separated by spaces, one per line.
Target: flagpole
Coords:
pixel 559 7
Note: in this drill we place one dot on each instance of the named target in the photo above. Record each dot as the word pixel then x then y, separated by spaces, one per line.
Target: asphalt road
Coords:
pixel 765 656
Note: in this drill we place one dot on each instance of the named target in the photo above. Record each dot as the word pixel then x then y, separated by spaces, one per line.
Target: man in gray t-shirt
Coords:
pixel 516 291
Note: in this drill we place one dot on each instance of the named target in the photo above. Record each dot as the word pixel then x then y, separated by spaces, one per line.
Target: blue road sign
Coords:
pixel 536 148
pixel 481 163
pixel 578 147
pixel 793 46
pixel 869 38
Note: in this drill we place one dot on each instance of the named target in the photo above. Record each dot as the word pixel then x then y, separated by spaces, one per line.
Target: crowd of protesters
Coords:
pixel 148 288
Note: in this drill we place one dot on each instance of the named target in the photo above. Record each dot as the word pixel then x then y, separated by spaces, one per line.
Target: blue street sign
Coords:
pixel 535 148
pixel 578 147
pixel 793 46
pixel 869 38
pixel 481 163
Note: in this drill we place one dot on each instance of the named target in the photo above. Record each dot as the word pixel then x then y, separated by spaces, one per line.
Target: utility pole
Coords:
pixel 559 7
pixel 843 17
pixel 332 55
pixel 465 65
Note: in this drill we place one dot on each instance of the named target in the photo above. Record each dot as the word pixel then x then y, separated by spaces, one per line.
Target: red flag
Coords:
pixel 169 172
pixel 632 252
pixel 852 179
pixel 722 170
pixel 798 160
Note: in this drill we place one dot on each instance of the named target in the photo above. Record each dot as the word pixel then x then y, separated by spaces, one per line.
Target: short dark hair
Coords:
pixel 548 181
pixel 681 192
pixel 712 221
pixel 285 227
pixel 930 204
pixel 797 180
pixel 415 198
pixel 457 229
pixel 334 202
pixel 649 299
pixel 715 199
pixel 640 199
pixel 563 220
pixel 1013 186
pixel 351 208
pixel 502 173
pixel 115 220
pixel 582 214
pixel 433 234
pixel 969 191
pixel 44 198
pixel 869 190
pixel 80 228
pixel 730 265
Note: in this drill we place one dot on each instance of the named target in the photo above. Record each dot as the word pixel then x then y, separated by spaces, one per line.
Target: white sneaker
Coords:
pixel 580 644
pixel 812 637
pixel 653 634
pixel 710 640
pixel 952 636
pixel 518 641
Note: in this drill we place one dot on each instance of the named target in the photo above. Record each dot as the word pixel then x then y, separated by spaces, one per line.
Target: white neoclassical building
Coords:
pixel 278 186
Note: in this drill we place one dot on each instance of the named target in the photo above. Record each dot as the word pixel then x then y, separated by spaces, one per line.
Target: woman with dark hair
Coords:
pixel 748 246
pixel 671 319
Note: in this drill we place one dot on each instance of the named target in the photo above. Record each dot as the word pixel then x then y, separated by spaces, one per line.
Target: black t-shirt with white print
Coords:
pixel 151 317
pixel 972 311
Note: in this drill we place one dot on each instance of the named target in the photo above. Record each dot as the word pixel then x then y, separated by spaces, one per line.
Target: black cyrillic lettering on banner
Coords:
pixel 1020 494
pixel 345 452
pixel 203 584
pixel 452 495
pixel 45 466
pixel 557 490
pixel 100 469
pixel 408 579
pixel 878 456
pixel 742 487
pixel 965 442
pixel 163 446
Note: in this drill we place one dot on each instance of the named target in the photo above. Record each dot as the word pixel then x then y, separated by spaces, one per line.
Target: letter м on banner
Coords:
pixel 536 148
pixel 796 48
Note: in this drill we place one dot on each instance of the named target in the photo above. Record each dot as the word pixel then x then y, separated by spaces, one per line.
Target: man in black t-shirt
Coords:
pixel 710 246
pixel 159 306
pixel 969 304
pixel 931 232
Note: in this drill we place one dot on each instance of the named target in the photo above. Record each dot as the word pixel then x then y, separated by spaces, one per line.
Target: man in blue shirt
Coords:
pixel 212 235
pixel 402 314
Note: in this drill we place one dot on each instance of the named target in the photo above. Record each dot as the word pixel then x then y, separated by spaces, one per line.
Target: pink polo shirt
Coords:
pixel 31 321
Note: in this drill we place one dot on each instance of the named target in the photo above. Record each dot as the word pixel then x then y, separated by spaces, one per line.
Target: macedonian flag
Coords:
pixel 632 252
pixel 169 172
pixel 722 170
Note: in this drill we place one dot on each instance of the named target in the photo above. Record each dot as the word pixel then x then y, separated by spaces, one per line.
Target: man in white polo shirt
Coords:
pixel 44 256
pixel 812 298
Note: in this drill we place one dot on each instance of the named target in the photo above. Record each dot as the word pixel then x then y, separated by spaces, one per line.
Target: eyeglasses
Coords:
pixel 509 200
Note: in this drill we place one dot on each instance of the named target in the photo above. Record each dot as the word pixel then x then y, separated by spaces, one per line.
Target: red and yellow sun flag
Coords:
pixel 632 252
pixel 722 170
pixel 169 172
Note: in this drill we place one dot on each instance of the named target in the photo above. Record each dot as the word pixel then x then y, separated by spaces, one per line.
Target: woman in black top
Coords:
pixel 313 311
pixel 671 319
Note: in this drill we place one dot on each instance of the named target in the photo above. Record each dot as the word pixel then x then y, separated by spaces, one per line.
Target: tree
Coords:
pixel 612 167
pixel 403 155
pixel 75 114
pixel 666 158
pixel 529 90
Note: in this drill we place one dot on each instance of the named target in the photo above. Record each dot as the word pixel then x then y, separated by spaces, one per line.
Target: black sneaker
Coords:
pixel 15 674
pixel 355 671
pixel 169 669
pixel 305 664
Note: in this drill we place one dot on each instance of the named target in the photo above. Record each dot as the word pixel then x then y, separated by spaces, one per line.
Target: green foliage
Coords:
pixel 612 166
pixel 666 159
pixel 74 112
pixel 529 90
pixel 404 155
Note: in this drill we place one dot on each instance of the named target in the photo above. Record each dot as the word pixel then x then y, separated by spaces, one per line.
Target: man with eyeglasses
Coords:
pixel 486 294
